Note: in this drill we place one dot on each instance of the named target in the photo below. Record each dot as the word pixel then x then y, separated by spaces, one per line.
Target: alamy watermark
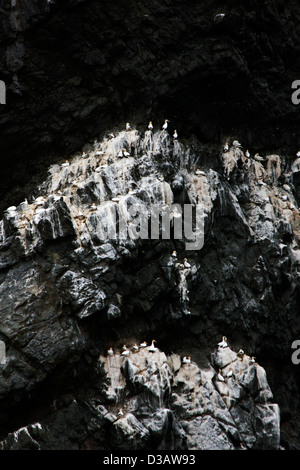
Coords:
pixel 2 352
pixel 296 94
pixel 296 354
pixel 155 221
pixel 2 92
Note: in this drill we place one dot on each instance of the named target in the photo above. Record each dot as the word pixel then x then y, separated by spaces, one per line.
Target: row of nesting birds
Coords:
pixel 240 353
pixel 236 144
pixel 150 127
pixel 186 359
pixel 123 152
pixel 135 348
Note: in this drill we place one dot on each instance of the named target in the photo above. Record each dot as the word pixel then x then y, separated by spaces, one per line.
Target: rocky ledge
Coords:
pixel 69 293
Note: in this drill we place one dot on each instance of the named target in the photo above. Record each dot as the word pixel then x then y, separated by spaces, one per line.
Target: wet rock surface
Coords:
pixel 71 288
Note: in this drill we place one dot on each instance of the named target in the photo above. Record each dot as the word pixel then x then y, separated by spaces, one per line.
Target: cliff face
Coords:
pixel 71 67
pixel 76 71
pixel 70 290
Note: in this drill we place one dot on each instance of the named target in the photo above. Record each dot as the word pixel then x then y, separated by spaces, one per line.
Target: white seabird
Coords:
pixel 174 254
pixel 152 348
pixel 135 347
pixel 186 263
pixel 220 376
pixel 236 143
pixel 120 412
pixel 165 125
pixel 40 201
pixel 247 153
pixel 143 345
pixel 99 152
pixel 128 127
pixel 219 17
pixel 124 347
pixel 200 172
pixel 186 360
pixel 252 359
pixel 125 352
pixel 150 126
pixel 175 135
pixel 298 154
pixel 93 207
pixel 132 191
pixel 110 352
pixel 229 373
pixel 223 343
pixel 258 158
pixel 241 354
pixel 65 164
pixel 226 147
pixel 11 209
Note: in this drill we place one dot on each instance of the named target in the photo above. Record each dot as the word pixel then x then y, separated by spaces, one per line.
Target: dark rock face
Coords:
pixel 70 290
pixel 71 67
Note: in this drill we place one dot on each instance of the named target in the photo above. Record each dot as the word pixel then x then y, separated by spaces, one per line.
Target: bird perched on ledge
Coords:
pixel 125 352
pixel 241 354
pixel 165 125
pixel 258 158
pixel 152 348
pixel 220 376
pixel 226 147
pixel 186 360
pixel 236 143
pixel 223 343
